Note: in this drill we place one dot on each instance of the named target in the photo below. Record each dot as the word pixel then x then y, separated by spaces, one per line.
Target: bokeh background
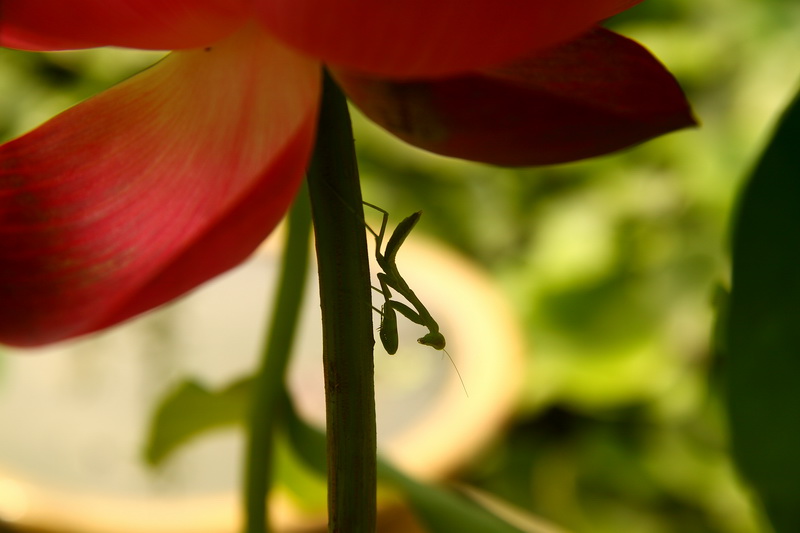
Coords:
pixel 612 266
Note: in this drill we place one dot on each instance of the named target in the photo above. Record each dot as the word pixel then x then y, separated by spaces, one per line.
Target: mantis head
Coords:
pixel 434 339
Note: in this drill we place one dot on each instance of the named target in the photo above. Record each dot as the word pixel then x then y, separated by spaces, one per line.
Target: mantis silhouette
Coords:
pixel 390 279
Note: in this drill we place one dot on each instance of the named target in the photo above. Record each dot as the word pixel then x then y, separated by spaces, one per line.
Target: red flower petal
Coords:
pixel 150 24
pixel 599 93
pixel 428 38
pixel 139 194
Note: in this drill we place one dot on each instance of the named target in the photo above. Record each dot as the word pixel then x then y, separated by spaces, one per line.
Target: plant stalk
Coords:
pixel 268 386
pixel 345 297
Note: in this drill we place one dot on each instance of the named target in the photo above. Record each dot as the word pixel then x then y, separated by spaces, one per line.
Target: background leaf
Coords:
pixel 440 510
pixel 191 410
pixel 764 327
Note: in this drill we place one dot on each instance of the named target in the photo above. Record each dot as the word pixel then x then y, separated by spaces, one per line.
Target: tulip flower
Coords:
pixel 141 193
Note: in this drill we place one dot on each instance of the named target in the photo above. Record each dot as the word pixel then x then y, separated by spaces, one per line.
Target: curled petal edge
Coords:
pixel 596 94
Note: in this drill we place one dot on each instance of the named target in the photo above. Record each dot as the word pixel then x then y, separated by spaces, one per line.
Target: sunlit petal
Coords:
pixel 139 194
pixel 599 93
pixel 148 24
pixel 407 38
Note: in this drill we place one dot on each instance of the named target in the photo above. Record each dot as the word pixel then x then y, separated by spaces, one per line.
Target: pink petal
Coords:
pixel 149 24
pixel 141 193
pixel 597 94
pixel 428 38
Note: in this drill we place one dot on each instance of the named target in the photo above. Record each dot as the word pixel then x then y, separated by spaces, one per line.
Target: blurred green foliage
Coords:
pixel 611 265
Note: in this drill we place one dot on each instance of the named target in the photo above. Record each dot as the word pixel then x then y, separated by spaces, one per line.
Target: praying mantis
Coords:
pixel 390 279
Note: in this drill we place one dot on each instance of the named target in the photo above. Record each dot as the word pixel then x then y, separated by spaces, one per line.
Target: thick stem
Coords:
pixel 346 318
pixel 268 385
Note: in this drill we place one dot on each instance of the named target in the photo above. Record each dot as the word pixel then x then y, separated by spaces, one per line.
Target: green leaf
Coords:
pixel 763 329
pixel 439 510
pixel 307 442
pixel 190 410
pixel 306 488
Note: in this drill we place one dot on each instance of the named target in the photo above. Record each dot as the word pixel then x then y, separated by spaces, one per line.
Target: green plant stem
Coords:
pixel 346 303
pixel 268 386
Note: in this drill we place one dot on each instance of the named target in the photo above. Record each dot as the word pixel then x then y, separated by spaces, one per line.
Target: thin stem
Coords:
pixel 268 385
pixel 346 303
